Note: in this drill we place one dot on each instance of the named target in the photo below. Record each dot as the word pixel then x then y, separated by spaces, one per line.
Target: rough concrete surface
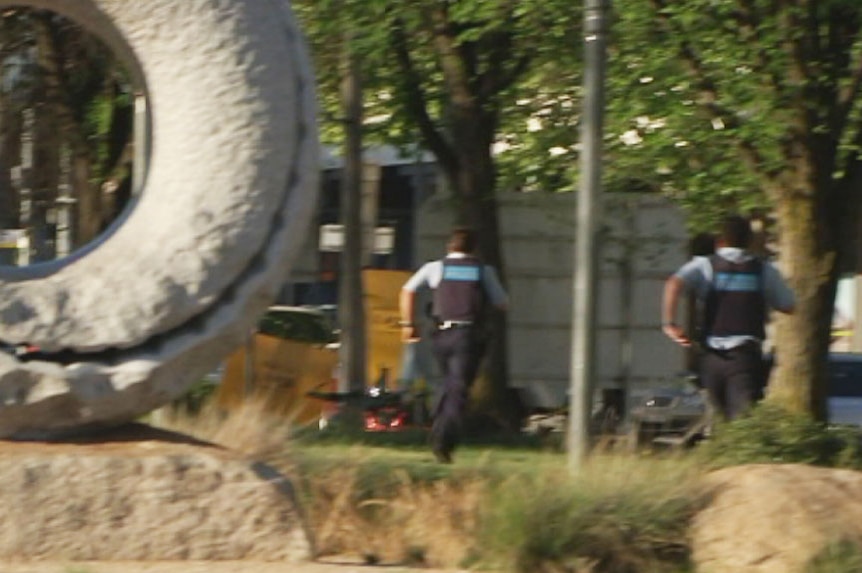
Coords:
pixel 775 518
pixel 145 495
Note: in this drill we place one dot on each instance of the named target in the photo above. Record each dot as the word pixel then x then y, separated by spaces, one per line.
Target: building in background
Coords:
pixel 395 185
pixel 644 241
pixel 844 320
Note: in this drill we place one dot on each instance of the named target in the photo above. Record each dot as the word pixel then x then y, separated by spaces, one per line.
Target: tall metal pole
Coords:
pixel 351 309
pixel 586 240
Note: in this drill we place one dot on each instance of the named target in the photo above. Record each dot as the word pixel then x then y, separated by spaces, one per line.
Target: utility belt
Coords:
pixel 450 324
pixel 749 346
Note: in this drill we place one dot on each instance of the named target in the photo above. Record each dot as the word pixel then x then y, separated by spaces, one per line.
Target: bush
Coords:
pixel 624 515
pixel 840 557
pixel 770 434
pixel 201 393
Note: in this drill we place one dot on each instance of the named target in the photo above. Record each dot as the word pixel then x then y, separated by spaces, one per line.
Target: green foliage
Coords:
pixel 704 99
pixel 734 87
pixel 622 515
pixel 408 451
pixel 721 106
pixel 772 435
pixel 844 556
pixel 545 34
pixel 197 396
pixel 377 472
pixel 660 127
pixel 56 67
pixel 296 325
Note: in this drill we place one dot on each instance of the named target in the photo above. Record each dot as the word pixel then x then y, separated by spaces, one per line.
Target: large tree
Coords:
pixel 447 73
pixel 723 105
pixel 739 104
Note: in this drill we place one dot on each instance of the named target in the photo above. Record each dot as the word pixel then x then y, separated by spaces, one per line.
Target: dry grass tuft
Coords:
pixel 428 523
pixel 621 514
pixel 432 524
pixel 520 511
pixel 249 429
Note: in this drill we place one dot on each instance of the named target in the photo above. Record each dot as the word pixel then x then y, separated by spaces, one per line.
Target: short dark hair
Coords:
pixel 736 231
pixel 462 240
pixel 702 245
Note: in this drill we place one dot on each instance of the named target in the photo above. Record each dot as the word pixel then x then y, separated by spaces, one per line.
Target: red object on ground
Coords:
pixel 385 420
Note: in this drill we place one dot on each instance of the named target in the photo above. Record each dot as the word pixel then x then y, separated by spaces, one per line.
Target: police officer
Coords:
pixel 462 288
pixel 737 290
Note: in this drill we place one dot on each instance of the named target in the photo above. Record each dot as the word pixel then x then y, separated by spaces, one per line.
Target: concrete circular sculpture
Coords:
pixel 129 323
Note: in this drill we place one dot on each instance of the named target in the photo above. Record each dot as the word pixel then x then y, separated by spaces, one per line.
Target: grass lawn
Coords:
pixel 509 503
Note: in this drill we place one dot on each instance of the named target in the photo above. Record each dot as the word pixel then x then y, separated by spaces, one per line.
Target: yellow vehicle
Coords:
pixel 294 352
pixel 290 355
pixel 382 288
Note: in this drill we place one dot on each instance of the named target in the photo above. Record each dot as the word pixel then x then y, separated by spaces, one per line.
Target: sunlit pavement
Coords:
pixel 335 565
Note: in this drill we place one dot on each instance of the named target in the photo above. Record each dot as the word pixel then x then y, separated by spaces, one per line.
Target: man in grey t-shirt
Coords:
pixel 737 290
pixel 463 287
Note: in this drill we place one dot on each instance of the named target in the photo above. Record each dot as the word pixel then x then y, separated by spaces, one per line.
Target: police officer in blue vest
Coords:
pixel 737 290
pixel 463 287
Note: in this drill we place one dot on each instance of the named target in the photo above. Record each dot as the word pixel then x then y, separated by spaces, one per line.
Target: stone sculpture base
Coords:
pixel 141 494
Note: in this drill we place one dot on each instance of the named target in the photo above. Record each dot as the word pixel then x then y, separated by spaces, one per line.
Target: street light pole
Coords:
pixel 586 239
pixel 351 300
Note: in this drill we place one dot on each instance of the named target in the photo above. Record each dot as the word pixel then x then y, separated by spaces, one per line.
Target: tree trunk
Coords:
pixel 90 210
pixel 10 156
pixel 474 183
pixel 44 181
pixel 88 222
pixel 809 246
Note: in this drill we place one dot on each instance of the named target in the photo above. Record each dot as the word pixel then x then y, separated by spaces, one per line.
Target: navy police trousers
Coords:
pixel 459 353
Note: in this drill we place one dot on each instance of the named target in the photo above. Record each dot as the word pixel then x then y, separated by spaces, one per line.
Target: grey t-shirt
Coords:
pixel 697 277
pixel 430 275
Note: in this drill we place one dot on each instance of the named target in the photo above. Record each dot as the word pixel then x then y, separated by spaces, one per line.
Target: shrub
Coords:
pixel 843 556
pixel 197 397
pixel 770 434
pixel 623 515
pixel 249 429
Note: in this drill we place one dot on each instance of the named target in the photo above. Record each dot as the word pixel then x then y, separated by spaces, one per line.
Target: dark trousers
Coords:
pixel 733 378
pixel 459 352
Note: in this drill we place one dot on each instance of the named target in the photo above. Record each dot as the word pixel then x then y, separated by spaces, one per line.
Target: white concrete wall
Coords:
pixel 646 232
